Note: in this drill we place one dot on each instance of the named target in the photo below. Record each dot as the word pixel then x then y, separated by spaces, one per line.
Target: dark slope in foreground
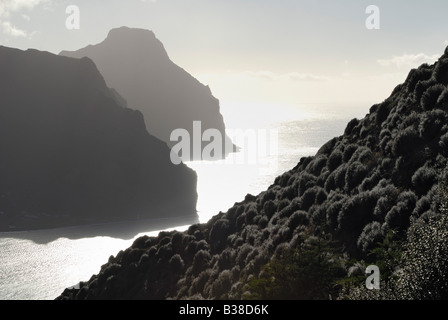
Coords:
pixel 136 64
pixel 363 188
pixel 71 154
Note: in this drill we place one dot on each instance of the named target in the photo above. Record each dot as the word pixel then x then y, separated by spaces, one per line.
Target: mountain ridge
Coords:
pixel 73 154
pixel 135 63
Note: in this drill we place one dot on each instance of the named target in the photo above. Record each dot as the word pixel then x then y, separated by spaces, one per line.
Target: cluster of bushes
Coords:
pixel 379 178
pixel 420 266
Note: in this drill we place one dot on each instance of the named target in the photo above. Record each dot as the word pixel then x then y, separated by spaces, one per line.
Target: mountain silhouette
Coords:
pixel 135 63
pixel 72 154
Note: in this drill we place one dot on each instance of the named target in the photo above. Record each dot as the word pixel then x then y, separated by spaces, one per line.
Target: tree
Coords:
pixel 421 273
pixel 307 272
pixel 424 275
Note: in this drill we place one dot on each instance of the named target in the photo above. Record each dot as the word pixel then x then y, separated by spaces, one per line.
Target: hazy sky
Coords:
pixel 295 55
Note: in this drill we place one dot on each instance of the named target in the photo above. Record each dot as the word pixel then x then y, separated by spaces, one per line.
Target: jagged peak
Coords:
pixel 125 31
pixel 136 39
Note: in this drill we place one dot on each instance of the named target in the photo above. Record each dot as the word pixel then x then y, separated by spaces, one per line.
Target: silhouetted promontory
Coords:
pixel 71 153
pixel 376 195
pixel 135 63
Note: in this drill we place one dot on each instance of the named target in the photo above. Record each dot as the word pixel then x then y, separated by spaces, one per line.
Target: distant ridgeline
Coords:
pixel 71 153
pixel 135 63
pixel 362 199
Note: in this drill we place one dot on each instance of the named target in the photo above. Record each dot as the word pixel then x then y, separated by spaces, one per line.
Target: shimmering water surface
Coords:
pixel 40 264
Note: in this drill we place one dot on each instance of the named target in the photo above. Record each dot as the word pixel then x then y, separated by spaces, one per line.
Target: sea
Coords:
pixel 39 265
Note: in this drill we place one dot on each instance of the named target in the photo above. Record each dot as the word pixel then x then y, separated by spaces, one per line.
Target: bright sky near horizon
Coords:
pixel 298 54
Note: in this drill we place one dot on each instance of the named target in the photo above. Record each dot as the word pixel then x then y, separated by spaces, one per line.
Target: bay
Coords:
pixel 40 264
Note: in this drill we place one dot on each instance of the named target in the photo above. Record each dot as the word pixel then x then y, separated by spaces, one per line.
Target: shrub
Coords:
pixel 321 196
pixel 133 255
pixel 226 259
pixel 424 179
pixel 356 172
pixel 289 193
pixel 241 221
pixel 309 198
pixel 333 212
pixel 250 216
pixel 444 143
pixel 142 242
pixel 370 182
pixel 398 218
pixel 318 215
pixel 382 112
pixel 432 123
pixel 176 263
pixel 198 283
pixel 339 178
pixel 263 222
pixel 405 142
pixel 283 204
pixel 109 270
pixel 354 215
pixel 385 133
pixel 385 138
pixel 334 160
pixel 269 208
pixel 306 181
pixel 298 218
pixel 370 235
pixel 201 261
pixel 349 151
pixel 243 253
pixel 366 157
pixel 330 183
pixel 323 177
pixel 290 209
pixel 283 180
pixel 441 71
pixel 423 205
pixel 431 96
pixel 383 205
pixel 326 149
pixel 442 102
pixel 387 165
pixel 421 88
pixel 268 195
pixel 164 253
pixel 219 232
pixel 308 272
pixel 416 75
pixel 424 275
pixel 353 123
pixel 411 120
pixel 202 245
pixel 222 285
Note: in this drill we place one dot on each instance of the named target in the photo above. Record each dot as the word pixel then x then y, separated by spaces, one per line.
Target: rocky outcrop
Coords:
pixel 71 153
pixel 135 63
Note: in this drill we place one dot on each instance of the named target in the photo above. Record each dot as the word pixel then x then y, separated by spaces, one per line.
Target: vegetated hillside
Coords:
pixel 135 63
pixel 312 233
pixel 72 154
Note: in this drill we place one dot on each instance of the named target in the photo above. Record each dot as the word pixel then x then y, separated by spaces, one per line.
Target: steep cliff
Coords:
pixel 72 154
pixel 135 63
